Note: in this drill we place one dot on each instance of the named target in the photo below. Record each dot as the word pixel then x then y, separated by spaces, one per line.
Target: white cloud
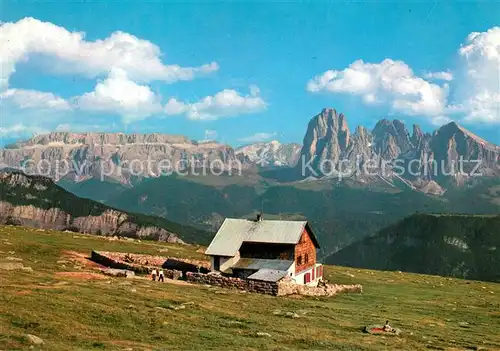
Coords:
pixel 479 91
pixel 444 75
pixel 20 130
pixel 389 82
pixel 14 129
pixel 32 99
pixel 69 52
pixel 175 107
pixel 210 134
pixel 225 103
pixel 258 137
pixel 483 107
pixel 125 62
pixel 118 94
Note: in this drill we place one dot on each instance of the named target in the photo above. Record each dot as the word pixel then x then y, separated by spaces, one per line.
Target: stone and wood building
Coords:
pixel 266 250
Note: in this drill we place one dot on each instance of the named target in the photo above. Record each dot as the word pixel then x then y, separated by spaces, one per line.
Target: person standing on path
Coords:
pixel 154 273
pixel 161 276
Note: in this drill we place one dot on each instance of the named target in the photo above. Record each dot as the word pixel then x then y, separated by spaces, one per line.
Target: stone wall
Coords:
pixel 281 288
pixel 290 288
pixel 268 288
pixel 100 258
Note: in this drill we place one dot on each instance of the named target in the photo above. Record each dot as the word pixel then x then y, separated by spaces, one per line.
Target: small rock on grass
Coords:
pixel 35 340
pixel 11 266
pixel 286 314
pixel 263 334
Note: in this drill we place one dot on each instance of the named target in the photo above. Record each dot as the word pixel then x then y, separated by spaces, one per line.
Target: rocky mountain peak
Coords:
pixel 417 135
pixel 391 138
pixel 327 136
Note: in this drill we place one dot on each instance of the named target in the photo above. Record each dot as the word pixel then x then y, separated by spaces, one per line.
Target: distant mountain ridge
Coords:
pixel 38 202
pixel 448 245
pixel 270 154
pixel 428 162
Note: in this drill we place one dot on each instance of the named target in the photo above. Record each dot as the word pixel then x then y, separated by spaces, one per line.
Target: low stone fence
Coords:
pixel 288 288
pixel 281 288
pixel 268 288
pixel 104 260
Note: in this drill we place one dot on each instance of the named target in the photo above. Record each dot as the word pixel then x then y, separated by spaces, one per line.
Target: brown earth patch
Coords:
pixel 81 258
pixel 81 275
pixel 24 292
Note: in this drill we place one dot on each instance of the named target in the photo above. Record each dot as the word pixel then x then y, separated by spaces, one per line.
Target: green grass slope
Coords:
pixel 450 245
pixel 68 312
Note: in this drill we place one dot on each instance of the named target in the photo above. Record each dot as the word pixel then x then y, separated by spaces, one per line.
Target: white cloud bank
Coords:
pixel 394 84
pixel 480 57
pixel 123 62
pixel 223 104
pixel 32 99
pixel 444 75
pixel 388 82
pixel 20 130
pixel 71 53
pixel 118 94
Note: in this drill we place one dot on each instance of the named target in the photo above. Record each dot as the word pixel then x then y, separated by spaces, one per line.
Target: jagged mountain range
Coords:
pixel 419 160
pixel 389 153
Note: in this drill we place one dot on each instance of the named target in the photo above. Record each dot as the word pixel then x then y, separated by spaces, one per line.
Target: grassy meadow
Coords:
pixel 70 306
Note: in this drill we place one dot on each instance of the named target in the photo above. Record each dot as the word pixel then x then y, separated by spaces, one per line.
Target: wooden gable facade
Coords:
pixel 305 251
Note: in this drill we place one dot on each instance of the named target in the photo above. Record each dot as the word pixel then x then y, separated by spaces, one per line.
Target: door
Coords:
pixel 216 266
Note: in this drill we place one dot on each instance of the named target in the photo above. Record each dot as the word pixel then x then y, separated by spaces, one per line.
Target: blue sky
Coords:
pixel 248 72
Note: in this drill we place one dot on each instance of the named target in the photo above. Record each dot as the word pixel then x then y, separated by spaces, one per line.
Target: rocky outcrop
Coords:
pixel 109 223
pixel 36 201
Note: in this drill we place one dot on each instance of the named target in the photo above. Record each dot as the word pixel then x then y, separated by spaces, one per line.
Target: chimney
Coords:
pixel 259 217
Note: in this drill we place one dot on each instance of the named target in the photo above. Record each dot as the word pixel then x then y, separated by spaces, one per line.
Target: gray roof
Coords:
pixel 268 275
pixel 260 263
pixel 234 232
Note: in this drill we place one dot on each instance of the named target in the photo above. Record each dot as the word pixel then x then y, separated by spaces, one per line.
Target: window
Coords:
pixel 299 260
pixel 306 258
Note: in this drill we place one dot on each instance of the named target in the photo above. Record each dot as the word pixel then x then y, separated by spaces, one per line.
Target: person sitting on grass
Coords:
pixel 154 274
pixel 387 327
pixel 161 276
